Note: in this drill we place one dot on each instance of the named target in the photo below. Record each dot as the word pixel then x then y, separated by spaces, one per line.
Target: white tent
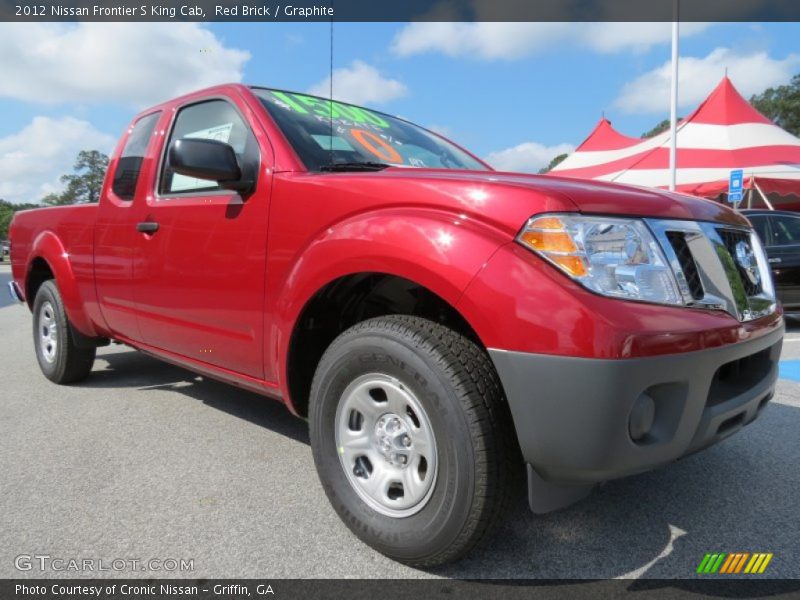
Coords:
pixel 724 133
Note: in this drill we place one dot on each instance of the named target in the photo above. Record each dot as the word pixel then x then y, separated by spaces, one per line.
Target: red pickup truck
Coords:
pixel 439 324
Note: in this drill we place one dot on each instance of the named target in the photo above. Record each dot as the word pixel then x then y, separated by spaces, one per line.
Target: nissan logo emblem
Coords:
pixel 747 262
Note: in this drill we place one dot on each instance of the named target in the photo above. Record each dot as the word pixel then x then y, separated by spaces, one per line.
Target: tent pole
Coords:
pixel 673 109
pixel 763 196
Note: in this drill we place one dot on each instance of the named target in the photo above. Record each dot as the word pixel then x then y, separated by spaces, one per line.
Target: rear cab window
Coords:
pixel 129 164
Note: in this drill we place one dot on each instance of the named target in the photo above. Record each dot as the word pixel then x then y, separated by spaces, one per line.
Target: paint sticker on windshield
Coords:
pixel 376 146
pixel 359 134
pixel 327 109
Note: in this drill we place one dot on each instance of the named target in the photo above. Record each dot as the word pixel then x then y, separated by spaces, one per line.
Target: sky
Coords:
pixel 516 94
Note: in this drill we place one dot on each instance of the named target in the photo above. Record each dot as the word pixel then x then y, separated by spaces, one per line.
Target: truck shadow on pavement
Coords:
pixel 136 370
pixel 738 496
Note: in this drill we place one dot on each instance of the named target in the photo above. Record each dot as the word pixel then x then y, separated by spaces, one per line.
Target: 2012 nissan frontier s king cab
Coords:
pixel 439 324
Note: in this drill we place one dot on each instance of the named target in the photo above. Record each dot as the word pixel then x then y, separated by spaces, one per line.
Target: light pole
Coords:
pixel 673 109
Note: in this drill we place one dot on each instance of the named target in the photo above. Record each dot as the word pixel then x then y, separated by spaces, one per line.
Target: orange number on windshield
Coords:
pixel 383 150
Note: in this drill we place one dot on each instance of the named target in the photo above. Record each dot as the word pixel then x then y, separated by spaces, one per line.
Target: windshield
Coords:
pixel 358 135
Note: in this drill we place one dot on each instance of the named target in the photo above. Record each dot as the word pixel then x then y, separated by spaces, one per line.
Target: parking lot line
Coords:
pixel 790 369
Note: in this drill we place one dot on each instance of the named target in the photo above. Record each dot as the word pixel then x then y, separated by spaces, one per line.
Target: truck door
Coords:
pixel 199 282
pixel 115 238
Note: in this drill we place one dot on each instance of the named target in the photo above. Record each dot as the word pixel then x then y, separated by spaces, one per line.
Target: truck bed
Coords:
pixel 68 232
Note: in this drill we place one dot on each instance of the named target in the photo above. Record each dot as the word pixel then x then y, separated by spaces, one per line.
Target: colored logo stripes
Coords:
pixel 735 562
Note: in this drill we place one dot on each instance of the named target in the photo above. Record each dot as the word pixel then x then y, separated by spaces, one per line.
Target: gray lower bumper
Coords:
pixel 579 421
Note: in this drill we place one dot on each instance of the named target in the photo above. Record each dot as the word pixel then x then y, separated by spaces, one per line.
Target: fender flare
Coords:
pixel 49 248
pixel 439 251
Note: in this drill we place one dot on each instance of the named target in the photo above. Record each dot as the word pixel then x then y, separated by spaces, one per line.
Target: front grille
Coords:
pixel 711 273
pixel 731 238
pixel 678 241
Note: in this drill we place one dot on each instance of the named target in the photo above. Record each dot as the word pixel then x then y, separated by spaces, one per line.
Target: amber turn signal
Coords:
pixel 549 236
pixel 574 265
pixel 549 241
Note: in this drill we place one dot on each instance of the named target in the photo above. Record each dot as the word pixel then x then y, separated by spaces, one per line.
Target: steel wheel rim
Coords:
pixel 386 445
pixel 48 332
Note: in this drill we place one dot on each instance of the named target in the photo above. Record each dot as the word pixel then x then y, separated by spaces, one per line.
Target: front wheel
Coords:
pixel 60 358
pixel 411 438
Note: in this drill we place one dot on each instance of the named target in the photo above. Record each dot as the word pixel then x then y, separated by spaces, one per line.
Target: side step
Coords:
pixel 545 497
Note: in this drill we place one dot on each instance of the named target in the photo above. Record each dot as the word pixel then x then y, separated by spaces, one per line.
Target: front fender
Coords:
pixel 435 249
pixel 48 247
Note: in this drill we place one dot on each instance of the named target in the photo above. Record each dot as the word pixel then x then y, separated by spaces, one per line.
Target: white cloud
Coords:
pixel 638 37
pixel 492 41
pixel 135 64
pixel 750 73
pixel 33 159
pixel 527 157
pixel 360 83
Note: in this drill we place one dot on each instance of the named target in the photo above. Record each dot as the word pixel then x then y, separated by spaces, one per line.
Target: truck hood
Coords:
pixel 551 193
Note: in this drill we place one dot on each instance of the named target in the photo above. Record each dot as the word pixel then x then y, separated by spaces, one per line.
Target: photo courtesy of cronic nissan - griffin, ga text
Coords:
pixel 443 327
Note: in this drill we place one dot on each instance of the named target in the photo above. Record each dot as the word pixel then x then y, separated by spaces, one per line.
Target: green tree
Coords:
pixel 660 128
pixel 7 211
pixel 781 104
pixel 553 163
pixel 6 214
pixel 53 200
pixel 84 185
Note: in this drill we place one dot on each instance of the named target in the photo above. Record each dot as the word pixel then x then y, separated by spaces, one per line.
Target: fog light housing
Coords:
pixel 642 417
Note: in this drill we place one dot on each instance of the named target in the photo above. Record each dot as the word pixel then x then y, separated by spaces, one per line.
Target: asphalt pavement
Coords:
pixel 148 461
pixel 5 277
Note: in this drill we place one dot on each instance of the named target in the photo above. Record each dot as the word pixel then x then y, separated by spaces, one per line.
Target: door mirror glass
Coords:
pixel 207 159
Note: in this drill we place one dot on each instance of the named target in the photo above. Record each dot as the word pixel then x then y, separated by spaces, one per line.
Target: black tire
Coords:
pixel 69 363
pixel 458 388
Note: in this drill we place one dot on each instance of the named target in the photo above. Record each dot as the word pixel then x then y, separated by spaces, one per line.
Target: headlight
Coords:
pixel 610 256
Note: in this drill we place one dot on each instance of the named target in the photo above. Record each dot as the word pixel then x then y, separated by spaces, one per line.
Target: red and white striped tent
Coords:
pixel 724 133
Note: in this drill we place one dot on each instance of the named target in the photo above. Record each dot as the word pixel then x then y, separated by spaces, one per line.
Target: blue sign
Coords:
pixel 736 185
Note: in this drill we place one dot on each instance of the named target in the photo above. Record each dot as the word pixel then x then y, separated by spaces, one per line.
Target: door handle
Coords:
pixel 774 260
pixel 147 227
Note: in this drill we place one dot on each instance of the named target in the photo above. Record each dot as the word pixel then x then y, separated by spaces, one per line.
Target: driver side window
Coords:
pixel 785 231
pixel 210 120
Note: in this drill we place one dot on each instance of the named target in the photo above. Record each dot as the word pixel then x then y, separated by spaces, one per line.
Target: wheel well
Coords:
pixel 39 273
pixel 349 300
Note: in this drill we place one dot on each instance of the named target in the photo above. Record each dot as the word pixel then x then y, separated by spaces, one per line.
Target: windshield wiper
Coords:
pixel 355 166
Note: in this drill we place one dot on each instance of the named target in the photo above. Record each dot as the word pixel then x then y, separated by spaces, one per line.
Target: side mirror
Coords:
pixel 208 159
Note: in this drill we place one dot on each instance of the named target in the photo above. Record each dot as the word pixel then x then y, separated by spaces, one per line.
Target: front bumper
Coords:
pixel 582 421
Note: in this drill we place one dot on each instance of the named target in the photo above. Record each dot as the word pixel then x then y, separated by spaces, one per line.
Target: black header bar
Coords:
pixel 398 10
pixel 360 589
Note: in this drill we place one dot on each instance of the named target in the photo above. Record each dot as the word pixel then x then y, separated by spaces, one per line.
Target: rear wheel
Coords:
pixel 60 359
pixel 411 438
